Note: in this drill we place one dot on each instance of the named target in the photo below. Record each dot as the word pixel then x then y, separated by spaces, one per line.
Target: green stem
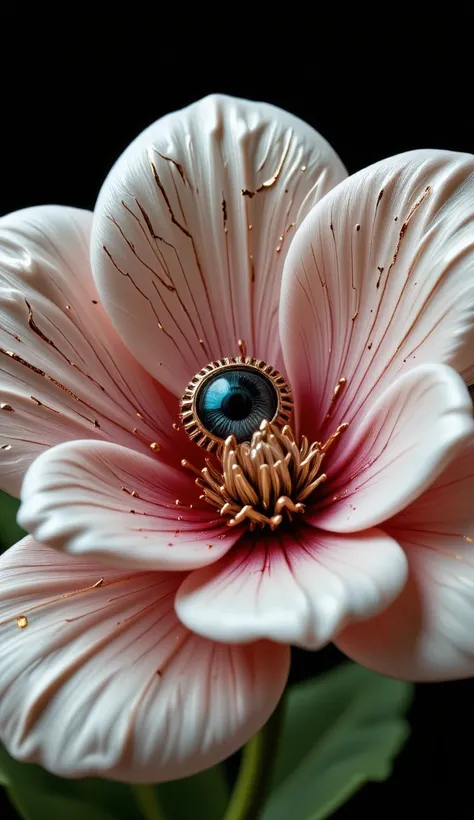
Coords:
pixel 147 800
pixel 250 791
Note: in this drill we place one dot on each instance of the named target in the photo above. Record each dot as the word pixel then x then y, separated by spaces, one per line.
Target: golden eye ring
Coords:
pixel 235 367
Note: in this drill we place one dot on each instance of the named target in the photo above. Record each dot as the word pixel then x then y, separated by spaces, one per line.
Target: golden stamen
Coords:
pixel 189 466
pixel 334 436
pixel 335 395
pixel 265 481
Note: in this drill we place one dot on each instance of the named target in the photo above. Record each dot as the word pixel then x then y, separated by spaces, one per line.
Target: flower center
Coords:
pixel 264 481
pixel 240 408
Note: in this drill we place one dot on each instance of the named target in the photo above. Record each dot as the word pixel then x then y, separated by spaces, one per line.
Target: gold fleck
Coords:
pixel 139 415
pixel 68 307
pixel 22 621
pixel 176 427
pixel 303 167
pixel 468 539
pixel 201 342
pixel 210 546
pixel 242 348
pixel 6 447
pixel 135 494
pixel 155 447
pixel 5 406
pixel 282 237
pixel 250 227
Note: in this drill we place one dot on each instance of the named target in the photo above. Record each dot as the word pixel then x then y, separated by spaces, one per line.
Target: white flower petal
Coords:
pixel 64 373
pixel 97 675
pixel 192 226
pixel 428 632
pixel 387 460
pixel 380 279
pixel 298 586
pixel 102 500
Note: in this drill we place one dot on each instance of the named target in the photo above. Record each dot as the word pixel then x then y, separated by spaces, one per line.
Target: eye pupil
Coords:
pixel 235 402
pixel 236 406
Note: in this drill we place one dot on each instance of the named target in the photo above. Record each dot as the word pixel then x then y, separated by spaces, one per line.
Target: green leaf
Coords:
pixel 39 795
pixel 339 732
pixel 201 797
pixel 10 531
pixel 57 807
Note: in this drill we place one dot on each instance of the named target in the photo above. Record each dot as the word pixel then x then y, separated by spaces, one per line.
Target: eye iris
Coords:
pixel 236 402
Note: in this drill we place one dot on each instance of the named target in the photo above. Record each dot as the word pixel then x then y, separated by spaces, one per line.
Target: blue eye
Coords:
pixel 235 402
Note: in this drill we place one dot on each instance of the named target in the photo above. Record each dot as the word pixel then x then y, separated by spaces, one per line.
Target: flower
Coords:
pixel 145 623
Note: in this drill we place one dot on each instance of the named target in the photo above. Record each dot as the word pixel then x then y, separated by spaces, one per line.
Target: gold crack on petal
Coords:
pixel 270 182
pixel 267 480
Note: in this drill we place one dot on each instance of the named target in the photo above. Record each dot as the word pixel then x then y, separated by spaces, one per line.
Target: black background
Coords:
pixel 374 83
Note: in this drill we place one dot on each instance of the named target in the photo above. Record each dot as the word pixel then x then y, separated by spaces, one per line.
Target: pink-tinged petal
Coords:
pixel 405 442
pixel 298 586
pixel 64 373
pixel 97 675
pixel 192 226
pixel 103 500
pixel 428 632
pixel 380 279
